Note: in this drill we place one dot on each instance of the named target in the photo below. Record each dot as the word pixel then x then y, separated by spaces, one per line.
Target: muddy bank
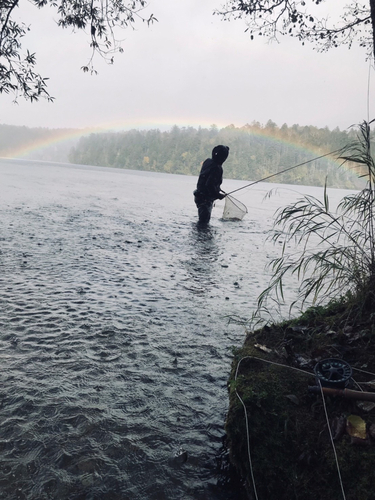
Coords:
pixel 291 452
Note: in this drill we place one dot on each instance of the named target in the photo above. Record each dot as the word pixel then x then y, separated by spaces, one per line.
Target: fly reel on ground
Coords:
pixel 333 372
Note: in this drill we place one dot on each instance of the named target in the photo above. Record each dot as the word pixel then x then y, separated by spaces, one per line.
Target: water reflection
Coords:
pixel 203 238
pixel 204 255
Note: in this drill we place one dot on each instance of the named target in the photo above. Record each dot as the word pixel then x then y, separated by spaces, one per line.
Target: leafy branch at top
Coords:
pixel 101 18
pixel 300 19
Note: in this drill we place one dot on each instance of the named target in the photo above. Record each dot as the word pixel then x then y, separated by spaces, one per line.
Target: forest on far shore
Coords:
pixel 256 151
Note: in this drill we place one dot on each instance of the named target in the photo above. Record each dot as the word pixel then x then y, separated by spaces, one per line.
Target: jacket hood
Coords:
pixel 220 154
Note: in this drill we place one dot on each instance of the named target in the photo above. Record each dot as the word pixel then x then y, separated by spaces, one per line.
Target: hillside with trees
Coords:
pixel 256 151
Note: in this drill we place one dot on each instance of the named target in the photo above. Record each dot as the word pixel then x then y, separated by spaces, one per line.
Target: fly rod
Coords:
pixel 285 170
pixel 345 393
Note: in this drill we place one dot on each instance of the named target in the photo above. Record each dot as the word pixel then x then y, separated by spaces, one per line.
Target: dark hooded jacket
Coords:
pixel 211 175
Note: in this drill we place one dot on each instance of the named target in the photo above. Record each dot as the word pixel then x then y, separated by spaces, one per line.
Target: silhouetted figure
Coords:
pixel 209 182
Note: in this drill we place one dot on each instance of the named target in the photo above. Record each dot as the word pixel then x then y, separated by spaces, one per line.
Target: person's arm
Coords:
pixel 213 183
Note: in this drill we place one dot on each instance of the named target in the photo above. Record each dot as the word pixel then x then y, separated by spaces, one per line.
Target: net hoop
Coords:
pixel 233 209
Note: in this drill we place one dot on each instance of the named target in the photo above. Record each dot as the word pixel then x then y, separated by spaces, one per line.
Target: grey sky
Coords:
pixel 190 68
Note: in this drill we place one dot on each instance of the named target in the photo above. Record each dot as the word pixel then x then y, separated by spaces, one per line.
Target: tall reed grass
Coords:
pixel 333 253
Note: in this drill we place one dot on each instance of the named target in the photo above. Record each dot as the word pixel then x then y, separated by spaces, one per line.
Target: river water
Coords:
pixel 115 331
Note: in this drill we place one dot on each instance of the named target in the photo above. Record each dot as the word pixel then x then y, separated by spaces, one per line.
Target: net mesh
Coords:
pixel 233 209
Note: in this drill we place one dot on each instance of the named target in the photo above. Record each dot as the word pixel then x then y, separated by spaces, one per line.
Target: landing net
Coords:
pixel 233 209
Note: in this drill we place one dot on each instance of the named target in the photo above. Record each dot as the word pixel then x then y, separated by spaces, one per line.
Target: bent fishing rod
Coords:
pixel 285 170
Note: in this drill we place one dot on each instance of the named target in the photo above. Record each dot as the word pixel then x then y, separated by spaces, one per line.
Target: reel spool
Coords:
pixel 333 372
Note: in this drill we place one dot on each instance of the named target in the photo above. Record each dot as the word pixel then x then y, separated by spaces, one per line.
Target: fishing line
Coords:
pixel 286 170
pixel 245 412
pixel 332 442
pixel 248 448
pixel 247 425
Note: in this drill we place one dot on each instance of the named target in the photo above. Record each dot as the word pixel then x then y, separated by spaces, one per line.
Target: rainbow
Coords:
pixel 58 136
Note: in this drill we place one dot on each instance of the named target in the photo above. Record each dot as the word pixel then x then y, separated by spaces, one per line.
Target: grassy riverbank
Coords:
pixel 291 451
pixel 287 441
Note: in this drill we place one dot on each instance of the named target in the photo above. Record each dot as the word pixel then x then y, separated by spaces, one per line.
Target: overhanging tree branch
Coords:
pixel 273 18
pixel 372 8
pixel 101 17
pixel 4 23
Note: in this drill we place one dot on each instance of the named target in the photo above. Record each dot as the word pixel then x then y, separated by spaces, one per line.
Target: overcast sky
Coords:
pixel 190 68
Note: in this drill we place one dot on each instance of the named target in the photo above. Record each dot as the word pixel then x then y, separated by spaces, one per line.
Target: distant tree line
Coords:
pixel 255 152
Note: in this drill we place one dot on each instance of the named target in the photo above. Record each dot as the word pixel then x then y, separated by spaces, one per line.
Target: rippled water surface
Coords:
pixel 115 343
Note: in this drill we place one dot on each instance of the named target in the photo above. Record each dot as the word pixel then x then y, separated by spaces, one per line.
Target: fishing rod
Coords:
pixel 285 170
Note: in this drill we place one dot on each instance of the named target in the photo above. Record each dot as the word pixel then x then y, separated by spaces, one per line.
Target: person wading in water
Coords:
pixel 209 182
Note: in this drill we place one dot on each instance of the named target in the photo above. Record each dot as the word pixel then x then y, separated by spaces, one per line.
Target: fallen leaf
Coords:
pixel 366 405
pixel 293 399
pixel 356 427
pixel 371 383
pixel 263 348
pixel 338 426
pixel 302 361
pixel 299 329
